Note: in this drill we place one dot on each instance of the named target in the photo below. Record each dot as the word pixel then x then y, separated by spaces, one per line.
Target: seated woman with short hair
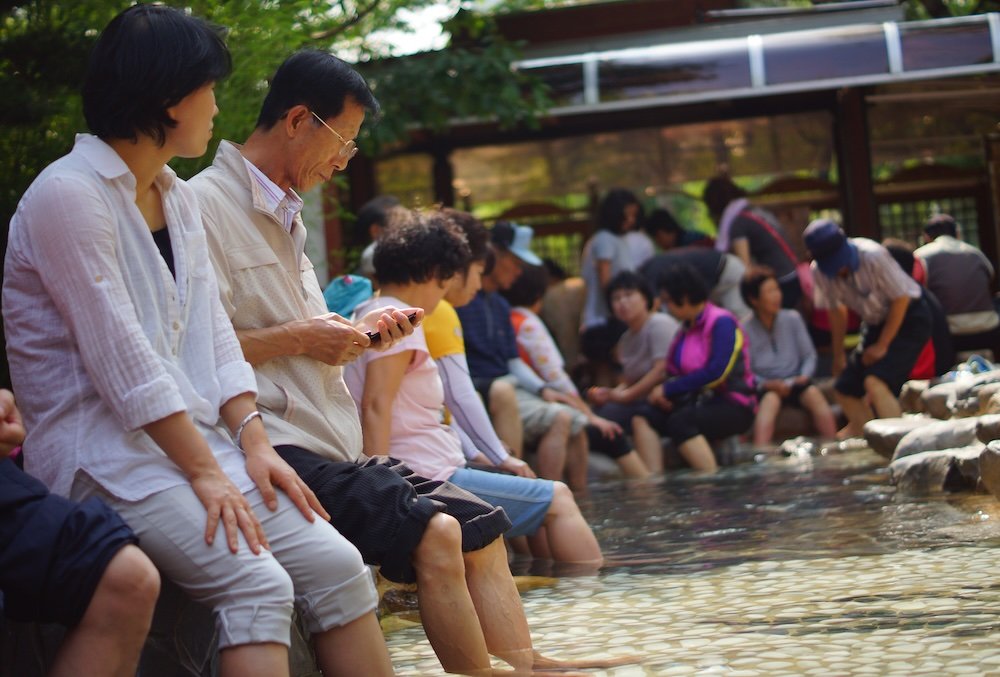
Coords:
pixel 133 385
pixel 709 391
pixel 400 397
pixel 782 358
pixel 641 351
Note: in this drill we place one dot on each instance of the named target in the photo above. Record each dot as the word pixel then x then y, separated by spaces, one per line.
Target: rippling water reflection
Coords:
pixel 787 566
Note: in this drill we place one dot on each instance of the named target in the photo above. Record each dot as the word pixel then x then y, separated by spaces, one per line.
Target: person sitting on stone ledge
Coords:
pixel 782 358
pixel 961 277
pixel 71 563
pixel 709 391
pixel 132 382
pixel 860 274
pixel 641 351
pixel 414 528
pixel 399 396
pixel 559 441
pixel 539 351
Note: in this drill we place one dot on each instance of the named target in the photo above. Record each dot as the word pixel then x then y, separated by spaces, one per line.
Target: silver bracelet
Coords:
pixel 243 424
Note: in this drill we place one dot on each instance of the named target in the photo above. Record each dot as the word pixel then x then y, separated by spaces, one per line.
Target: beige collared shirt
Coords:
pixel 265 280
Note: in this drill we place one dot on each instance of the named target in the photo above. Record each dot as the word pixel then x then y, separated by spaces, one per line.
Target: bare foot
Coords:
pixel 545 663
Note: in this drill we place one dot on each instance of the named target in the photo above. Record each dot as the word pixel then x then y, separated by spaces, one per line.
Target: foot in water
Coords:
pixel 558 665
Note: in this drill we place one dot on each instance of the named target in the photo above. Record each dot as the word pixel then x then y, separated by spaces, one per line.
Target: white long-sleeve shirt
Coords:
pixel 101 339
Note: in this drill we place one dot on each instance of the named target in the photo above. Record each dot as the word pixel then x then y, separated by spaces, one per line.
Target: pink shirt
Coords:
pixel 418 435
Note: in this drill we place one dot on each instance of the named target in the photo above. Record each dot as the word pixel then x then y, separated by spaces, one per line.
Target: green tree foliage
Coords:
pixel 44 46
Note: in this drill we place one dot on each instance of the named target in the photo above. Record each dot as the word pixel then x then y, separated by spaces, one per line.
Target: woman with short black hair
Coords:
pixel 708 392
pixel 131 377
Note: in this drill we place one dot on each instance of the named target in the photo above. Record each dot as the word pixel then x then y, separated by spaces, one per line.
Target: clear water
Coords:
pixel 801 565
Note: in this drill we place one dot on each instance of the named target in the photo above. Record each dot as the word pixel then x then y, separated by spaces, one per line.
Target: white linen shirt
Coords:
pixel 101 340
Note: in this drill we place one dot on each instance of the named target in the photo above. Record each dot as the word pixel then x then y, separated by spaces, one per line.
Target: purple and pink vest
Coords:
pixel 695 344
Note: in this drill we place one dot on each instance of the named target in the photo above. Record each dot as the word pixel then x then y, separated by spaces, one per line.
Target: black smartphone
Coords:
pixel 376 337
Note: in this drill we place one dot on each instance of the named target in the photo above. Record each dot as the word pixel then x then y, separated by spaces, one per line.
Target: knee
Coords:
pixel 440 549
pixel 502 396
pixel 131 583
pixel 874 385
pixel 563 502
pixel 562 421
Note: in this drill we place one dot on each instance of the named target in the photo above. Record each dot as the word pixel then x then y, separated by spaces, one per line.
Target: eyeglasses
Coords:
pixel 349 148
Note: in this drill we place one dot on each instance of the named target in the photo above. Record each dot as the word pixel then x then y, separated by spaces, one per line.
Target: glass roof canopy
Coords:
pixel 776 63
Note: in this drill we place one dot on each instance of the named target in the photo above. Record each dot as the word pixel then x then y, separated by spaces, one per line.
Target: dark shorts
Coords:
pixel 715 418
pixel 382 507
pixel 620 413
pixel 794 397
pixel 893 369
pixel 615 447
pixel 53 552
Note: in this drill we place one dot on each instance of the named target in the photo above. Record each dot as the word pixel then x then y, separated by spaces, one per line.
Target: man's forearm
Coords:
pixel 261 345
pixel 838 329
pixel 894 320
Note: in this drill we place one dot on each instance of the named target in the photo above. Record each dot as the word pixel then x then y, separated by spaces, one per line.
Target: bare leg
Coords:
pixel 498 605
pixel 551 449
pixel 506 416
pixel 857 412
pixel 815 403
pixel 538 544
pixel 648 444
pixel 577 459
pixel 446 608
pixel 109 637
pixel 767 412
pixel 268 658
pixel 633 467
pixel 883 400
pixel 357 648
pixel 502 616
pixel 569 536
pixel 698 454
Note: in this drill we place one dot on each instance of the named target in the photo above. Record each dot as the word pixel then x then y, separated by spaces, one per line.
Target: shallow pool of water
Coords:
pixel 809 565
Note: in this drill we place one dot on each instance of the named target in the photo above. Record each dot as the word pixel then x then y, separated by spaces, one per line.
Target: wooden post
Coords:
pixel 854 164
pixel 444 176
pixel 989 214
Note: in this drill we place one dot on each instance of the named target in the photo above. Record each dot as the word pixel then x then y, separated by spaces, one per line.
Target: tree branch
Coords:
pixel 342 27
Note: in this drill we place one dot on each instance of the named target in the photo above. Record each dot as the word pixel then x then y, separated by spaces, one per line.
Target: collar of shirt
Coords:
pixel 109 164
pixel 268 196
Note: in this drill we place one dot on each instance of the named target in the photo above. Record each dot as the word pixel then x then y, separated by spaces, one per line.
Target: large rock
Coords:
pixel 936 436
pixel 985 394
pixel 883 434
pixel 993 405
pixel 988 427
pixel 989 468
pixel 938 400
pixel 909 396
pixel 929 471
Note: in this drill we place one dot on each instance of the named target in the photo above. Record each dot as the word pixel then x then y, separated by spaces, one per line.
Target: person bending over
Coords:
pixel 860 274
pixel 782 357
pixel 709 391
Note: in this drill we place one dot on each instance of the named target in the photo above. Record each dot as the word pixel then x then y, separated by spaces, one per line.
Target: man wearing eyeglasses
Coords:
pixel 445 539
